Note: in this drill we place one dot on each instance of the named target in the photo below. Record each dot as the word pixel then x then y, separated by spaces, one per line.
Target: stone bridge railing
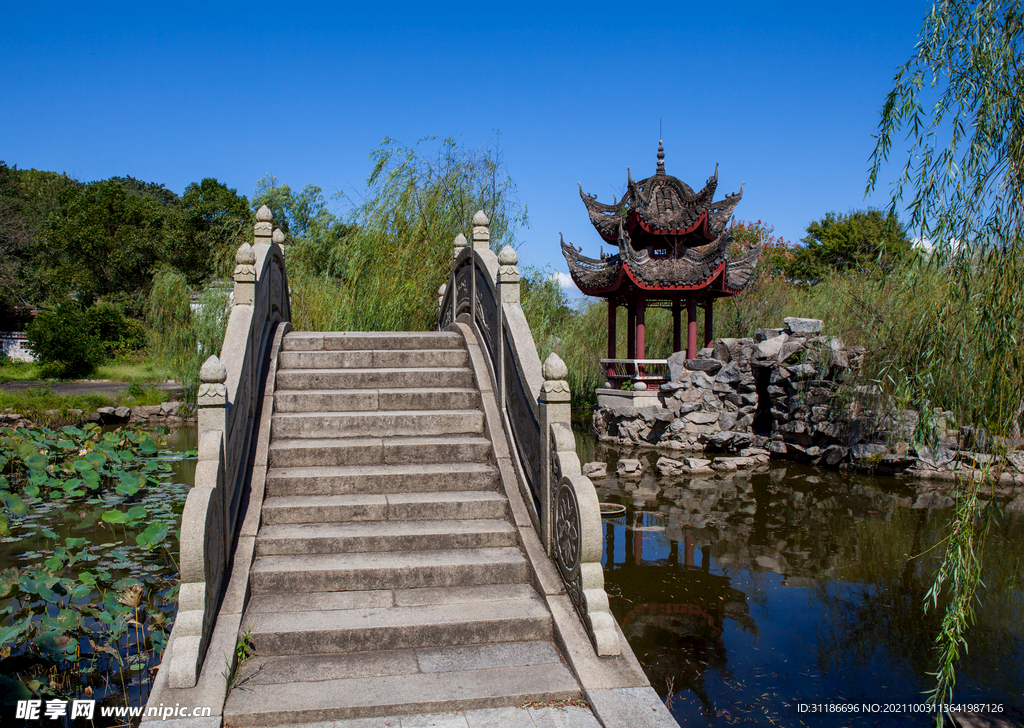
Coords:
pixel 228 400
pixel 534 401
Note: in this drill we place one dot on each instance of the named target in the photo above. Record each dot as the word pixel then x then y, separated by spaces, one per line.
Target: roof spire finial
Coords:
pixel 661 158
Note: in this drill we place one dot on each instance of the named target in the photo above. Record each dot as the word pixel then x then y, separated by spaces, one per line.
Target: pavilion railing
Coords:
pixel 228 400
pixel 483 291
pixel 649 371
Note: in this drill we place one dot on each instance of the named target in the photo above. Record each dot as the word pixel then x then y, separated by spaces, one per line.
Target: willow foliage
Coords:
pixel 960 102
pixel 398 245
pixel 181 337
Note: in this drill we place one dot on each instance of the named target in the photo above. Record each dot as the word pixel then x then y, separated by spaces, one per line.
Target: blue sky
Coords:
pixel 785 96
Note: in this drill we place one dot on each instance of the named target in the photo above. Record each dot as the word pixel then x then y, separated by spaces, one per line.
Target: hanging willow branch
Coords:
pixel 959 101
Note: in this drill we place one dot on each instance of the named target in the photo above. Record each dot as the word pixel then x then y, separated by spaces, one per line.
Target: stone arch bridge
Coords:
pixel 396 522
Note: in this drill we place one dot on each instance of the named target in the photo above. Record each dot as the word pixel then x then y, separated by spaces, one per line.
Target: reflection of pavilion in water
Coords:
pixel 671 612
pixel 793 521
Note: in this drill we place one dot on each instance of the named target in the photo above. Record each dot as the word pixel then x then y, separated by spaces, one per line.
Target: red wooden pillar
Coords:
pixel 691 333
pixel 641 329
pixel 677 326
pixel 709 322
pixel 631 329
pixel 612 308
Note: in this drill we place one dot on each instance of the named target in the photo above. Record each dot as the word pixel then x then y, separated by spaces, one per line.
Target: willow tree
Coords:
pixel 959 101
pixel 397 243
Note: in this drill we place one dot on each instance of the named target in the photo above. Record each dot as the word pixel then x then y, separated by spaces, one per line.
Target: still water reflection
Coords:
pixel 747 596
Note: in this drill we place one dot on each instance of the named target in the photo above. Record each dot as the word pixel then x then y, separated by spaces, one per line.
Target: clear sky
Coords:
pixel 785 96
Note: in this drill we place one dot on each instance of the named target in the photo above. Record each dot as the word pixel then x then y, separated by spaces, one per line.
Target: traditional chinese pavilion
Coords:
pixel 673 252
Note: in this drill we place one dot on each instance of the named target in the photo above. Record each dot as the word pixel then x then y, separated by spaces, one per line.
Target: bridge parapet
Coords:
pixel 534 400
pixel 228 399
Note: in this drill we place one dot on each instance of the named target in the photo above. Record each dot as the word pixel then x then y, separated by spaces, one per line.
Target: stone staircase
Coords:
pixel 388 578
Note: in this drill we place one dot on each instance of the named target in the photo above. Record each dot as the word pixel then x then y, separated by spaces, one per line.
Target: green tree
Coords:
pixel 214 220
pixel 315 232
pixel 960 100
pixel 27 199
pixel 104 242
pixel 860 239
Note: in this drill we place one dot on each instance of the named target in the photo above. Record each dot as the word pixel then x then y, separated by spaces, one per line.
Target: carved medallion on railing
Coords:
pixel 567 539
pixel 577 532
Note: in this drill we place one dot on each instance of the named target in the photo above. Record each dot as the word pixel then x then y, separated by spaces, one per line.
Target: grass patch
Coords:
pixel 133 370
pixel 34 402
pixel 18 371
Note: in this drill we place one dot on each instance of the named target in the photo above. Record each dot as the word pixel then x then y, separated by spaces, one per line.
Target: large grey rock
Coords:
pixel 802 326
pixel 668 466
pixel 790 349
pixel 701 418
pixel 803 371
pixel 595 470
pixel 629 467
pixel 710 366
pixel 868 451
pixel 762 334
pixel 676 365
pixel 723 349
pixel 702 381
pixel 770 348
pixel 730 374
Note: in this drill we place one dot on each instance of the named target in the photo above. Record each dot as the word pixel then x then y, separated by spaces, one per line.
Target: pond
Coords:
pixel 88 564
pixel 794 596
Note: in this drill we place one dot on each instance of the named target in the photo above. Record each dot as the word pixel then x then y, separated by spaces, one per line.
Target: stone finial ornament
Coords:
pixel 481 235
pixel 278 236
pixel 554 367
pixel 212 375
pixel 508 256
pixel 555 388
pixel 245 256
pixel 460 241
pixel 245 274
pixel 264 225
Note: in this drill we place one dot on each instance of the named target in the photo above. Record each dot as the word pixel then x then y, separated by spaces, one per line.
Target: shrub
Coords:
pixel 62 340
pixel 116 332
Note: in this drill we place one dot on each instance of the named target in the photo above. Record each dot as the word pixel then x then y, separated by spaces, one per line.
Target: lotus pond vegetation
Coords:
pixel 88 560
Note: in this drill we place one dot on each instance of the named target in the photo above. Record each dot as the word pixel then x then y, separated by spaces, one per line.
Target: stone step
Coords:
pixel 370 400
pixel 374 450
pixel 373 359
pixel 397 682
pixel 324 630
pixel 362 340
pixel 393 570
pixel 445 377
pixel 340 480
pixel 399 423
pixel 436 505
pixel 432 535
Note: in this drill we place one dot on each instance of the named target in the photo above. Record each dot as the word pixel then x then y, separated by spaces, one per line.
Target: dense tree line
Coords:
pixel 62 239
